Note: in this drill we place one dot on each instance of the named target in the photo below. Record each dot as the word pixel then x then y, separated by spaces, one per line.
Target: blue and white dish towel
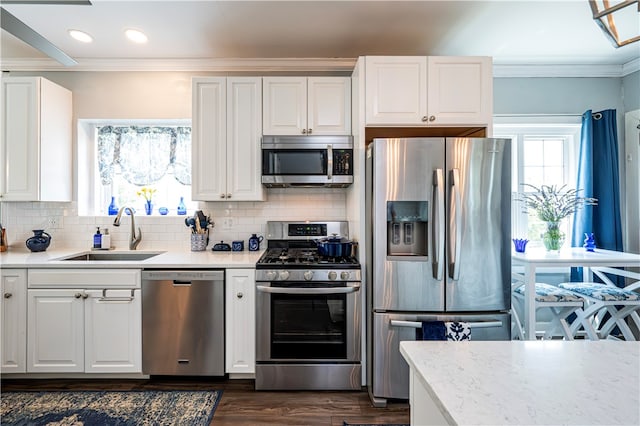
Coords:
pixel 444 330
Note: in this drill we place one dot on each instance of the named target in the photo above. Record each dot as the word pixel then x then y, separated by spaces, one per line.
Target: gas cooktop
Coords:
pixel 302 257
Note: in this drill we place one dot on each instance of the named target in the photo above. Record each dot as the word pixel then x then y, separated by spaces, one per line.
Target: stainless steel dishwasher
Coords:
pixel 183 322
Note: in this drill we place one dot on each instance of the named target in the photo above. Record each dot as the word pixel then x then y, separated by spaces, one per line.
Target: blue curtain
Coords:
pixel 598 177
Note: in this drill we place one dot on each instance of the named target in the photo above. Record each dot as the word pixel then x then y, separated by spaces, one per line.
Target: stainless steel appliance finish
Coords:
pixel 439 213
pixel 307 161
pixel 183 322
pixel 308 312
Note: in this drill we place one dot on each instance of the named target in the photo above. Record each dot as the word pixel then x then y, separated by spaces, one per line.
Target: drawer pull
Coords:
pixel 105 298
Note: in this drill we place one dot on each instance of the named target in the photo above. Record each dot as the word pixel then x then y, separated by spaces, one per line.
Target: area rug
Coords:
pixel 108 408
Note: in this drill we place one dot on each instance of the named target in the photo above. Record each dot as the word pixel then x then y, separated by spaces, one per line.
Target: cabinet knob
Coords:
pixel 77 295
pixel 309 131
pixel 304 131
pixel 222 195
pixel 8 295
pixel 432 118
pixel 424 118
pixel 229 195
pixel 85 295
pixel 239 295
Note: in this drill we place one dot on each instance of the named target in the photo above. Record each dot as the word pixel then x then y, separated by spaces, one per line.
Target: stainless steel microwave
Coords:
pixel 306 161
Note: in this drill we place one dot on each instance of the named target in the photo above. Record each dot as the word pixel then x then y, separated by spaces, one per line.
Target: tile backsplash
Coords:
pixel 68 230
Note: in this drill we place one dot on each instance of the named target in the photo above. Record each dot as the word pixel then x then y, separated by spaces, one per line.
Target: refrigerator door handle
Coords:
pixel 455 230
pixel 418 324
pixel 437 225
pixel 329 162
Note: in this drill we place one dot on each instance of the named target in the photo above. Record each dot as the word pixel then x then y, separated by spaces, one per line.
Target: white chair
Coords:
pixel 558 303
pixel 622 304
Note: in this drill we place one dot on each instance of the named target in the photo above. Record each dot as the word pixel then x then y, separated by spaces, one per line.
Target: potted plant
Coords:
pixel 552 204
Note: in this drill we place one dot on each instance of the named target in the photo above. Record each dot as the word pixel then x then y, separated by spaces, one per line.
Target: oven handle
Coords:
pixel 299 290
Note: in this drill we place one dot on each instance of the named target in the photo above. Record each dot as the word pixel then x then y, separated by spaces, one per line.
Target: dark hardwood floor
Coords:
pixel 242 405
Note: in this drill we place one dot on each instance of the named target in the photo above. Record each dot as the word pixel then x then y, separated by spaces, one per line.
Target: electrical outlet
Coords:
pixel 53 222
pixel 227 223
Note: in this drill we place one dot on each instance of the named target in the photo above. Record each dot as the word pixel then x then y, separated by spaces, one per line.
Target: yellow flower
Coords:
pixel 146 192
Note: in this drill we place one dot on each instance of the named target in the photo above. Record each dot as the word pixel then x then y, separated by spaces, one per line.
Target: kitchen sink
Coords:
pixel 111 256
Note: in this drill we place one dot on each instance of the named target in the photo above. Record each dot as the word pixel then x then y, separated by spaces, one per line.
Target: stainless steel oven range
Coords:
pixel 308 311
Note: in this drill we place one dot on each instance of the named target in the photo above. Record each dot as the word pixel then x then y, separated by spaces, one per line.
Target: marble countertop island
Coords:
pixel 526 383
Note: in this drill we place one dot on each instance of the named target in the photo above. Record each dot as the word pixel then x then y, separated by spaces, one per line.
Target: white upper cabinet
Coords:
pixel 307 106
pixel 244 130
pixel 35 147
pixel 428 91
pixel 226 131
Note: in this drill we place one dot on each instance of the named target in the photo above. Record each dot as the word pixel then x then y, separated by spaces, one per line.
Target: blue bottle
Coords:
pixel 113 208
pixel 182 209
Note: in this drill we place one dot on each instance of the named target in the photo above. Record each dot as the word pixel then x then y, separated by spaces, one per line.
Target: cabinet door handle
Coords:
pixel 222 195
pixel 424 118
pixel 228 195
pixel 432 118
pixel 239 295
pixel 8 295
pixel 309 131
pixel 304 131
pixel 85 296
pixel 77 295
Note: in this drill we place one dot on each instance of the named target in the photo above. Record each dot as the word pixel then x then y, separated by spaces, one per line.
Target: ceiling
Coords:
pixel 234 34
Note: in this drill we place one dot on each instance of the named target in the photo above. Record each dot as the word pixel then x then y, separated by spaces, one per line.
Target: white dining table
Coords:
pixel 534 258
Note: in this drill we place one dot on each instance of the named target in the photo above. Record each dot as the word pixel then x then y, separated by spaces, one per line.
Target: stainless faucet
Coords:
pixel 133 239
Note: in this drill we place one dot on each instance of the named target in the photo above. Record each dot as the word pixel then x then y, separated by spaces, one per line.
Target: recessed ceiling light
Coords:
pixel 136 36
pixel 80 36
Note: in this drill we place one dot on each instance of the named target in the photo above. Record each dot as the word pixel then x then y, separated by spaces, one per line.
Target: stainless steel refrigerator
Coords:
pixel 439 216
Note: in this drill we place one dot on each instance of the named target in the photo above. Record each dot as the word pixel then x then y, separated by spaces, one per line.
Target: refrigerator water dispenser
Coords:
pixel 407 228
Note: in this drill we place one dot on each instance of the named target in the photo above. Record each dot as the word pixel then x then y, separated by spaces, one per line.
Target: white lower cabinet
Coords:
pixel 240 346
pixel 113 331
pixel 13 321
pixel 84 329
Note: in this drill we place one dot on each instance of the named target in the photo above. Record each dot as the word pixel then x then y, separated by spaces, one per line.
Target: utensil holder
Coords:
pixel 199 242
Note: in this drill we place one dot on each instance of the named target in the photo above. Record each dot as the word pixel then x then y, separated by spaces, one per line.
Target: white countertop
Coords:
pixel 168 259
pixel 530 382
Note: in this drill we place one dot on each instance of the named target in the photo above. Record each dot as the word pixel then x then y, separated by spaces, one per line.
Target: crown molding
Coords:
pixel 297 65
pixel 564 70
pixel 204 65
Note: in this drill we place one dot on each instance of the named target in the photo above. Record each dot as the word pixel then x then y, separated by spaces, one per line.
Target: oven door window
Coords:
pixel 294 161
pixel 308 326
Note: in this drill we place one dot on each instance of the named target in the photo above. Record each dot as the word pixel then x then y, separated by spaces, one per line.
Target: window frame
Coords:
pixel 567 127
pixel 89 186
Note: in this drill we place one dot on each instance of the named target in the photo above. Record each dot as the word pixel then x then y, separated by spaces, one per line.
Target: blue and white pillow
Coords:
pixel 601 292
pixel 551 293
